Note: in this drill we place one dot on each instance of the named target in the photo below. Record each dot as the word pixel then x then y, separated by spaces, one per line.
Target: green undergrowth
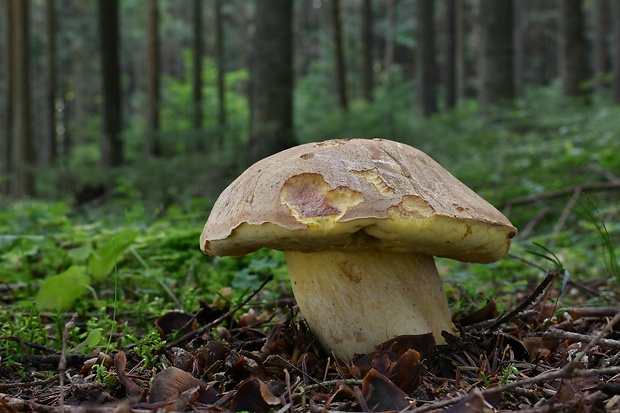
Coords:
pixel 122 263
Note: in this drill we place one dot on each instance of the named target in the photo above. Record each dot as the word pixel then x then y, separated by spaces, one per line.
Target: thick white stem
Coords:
pixel 354 301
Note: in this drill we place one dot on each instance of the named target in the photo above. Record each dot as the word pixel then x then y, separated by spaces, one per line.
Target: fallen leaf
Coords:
pixel 175 322
pixel 171 382
pixel 381 394
pixel 131 388
pixel 253 395
pixel 422 343
pixel 406 373
pixel 487 312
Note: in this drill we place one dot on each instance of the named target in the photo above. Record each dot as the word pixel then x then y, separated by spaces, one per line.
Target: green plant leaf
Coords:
pixel 59 292
pixel 104 258
pixel 94 337
pixel 80 253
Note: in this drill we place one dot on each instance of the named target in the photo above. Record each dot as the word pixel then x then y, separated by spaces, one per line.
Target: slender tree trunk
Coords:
pixel 390 24
pixel 572 51
pixel 153 147
pixel 460 50
pixel 601 57
pixel 241 17
pixel 8 136
pixel 50 149
pixel 367 64
pixel 197 46
pixel 450 55
pixel 221 86
pixel 426 60
pixel 341 70
pixel 520 30
pixel 497 53
pixel 272 94
pixel 111 144
pixel 615 12
pixel 24 159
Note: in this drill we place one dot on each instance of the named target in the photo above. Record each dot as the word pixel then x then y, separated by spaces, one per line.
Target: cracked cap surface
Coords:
pixel 355 195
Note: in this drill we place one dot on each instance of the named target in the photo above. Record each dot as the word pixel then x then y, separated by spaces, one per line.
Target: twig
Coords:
pixel 569 370
pixel 582 338
pixel 599 186
pixel 35 383
pixel 568 209
pixel 551 275
pixel 192 334
pixel 62 365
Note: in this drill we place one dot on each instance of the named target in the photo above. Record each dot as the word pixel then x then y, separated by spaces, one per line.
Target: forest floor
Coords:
pixel 536 357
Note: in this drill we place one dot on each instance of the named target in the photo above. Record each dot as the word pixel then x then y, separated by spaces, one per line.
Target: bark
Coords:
pixel 22 144
pixel 497 52
pixel 615 8
pixel 460 50
pixel 367 66
pixel 341 70
pixel 197 51
pixel 390 23
pixel 272 80
pixel 572 51
pixel 221 87
pixel 8 140
pixel 153 147
pixel 426 60
pixel 520 32
pixel 601 56
pixel 111 144
pixel 450 55
pixel 49 150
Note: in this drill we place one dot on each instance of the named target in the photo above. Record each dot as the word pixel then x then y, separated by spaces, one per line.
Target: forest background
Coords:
pixel 176 98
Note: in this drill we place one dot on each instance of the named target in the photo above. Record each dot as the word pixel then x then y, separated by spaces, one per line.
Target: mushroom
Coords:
pixel 359 221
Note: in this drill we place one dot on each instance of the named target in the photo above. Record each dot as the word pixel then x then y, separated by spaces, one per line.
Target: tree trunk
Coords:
pixel 272 100
pixel 221 86
pixel 22 145
pixel 111 144
pixel 50 151
pixel 450 55
pixel 367 65
pixel 390 23
pixel 497 51
pixel 520 32
pixel 426 60
pixel 197 52
pixel 460 50
pixel 573 61
pixel 601 57
pixel 7 155
pixel 615 10
pixel 341 70
pixel 153 147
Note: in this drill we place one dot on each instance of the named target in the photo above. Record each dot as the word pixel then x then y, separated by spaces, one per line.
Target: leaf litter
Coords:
pixel 539 357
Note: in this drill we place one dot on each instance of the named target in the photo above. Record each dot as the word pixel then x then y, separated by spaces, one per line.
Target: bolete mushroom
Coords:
pixel 359 221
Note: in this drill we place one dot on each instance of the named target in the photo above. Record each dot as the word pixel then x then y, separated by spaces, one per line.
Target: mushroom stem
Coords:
pixel 354 301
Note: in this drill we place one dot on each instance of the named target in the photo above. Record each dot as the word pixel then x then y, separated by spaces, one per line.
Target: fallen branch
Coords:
pixel 551 275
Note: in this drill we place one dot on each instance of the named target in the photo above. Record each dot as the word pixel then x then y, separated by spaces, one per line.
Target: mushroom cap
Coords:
pixel 354 195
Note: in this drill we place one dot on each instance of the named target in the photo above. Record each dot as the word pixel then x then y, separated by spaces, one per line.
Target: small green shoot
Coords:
pixel 147 347
pixel 609 255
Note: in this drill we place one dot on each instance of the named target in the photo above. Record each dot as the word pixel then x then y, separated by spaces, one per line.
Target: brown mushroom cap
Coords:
pixel 354 195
